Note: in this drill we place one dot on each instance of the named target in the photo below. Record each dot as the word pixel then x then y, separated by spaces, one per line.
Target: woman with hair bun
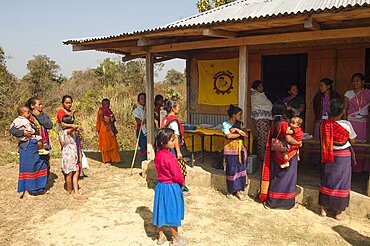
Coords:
pixel 337 135
pixel 235 153
pixel 278 182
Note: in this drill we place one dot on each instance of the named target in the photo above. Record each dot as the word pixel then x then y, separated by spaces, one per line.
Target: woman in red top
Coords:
pixel 68 110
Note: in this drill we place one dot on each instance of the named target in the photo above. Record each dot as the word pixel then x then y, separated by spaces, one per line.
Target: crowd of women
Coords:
pixel 31 128
pixel 338 122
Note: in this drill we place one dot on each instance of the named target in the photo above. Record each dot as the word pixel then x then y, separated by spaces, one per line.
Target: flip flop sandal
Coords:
pixel 161 241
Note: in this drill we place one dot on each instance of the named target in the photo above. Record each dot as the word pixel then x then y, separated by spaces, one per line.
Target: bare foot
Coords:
pixel 26 195
pixel 339 215
pixel 323 212
pixel 80 197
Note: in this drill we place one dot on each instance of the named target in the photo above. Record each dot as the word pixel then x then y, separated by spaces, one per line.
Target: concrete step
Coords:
pixel 215 179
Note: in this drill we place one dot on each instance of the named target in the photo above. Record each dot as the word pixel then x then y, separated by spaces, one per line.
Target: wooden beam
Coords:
pixel 149 75
pixel 295 37
pixel 219 33
pixel 243 81
pixel 128 57
pixel 162 59
pixel 311 24
pixel 149 42
pixel 99 46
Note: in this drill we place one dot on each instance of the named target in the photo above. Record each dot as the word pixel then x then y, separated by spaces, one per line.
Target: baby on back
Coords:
pixel 22 122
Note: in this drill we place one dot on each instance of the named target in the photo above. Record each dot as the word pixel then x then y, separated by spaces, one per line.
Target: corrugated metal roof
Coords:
pixel 245 10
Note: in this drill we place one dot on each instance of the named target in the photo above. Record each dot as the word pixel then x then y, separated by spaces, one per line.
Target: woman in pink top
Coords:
pixel 168 207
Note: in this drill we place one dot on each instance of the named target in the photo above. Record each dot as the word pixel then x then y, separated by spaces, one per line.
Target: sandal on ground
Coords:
pixel 229 196
pixel 339 216
pixel 240 197
pixel 181 242
pixel 265 205
pixel 161 241
pixel 323 212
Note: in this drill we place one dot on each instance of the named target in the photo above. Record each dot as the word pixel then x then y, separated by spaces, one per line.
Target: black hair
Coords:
pixel 105 101
pixel 256 83
pixel 141 94
pixel 233 110
pixel 68 119
pixel 30 102
pixel 327 82
pixel 21 110
pixel 291 85
pixel 157 99
pixel 296 118
pixel 65 97
pixel 278 111
pixel 164 135
pixel 336 107
pixel 358 75
pixel 169 105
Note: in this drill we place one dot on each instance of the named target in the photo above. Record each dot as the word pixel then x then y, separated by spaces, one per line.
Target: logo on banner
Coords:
pixel 223 82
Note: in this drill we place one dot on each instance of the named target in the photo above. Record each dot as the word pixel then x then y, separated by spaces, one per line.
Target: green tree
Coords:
pixel 174 77
pixel 204 5
pixel 43 74
pixel 110 72
pixel 11 92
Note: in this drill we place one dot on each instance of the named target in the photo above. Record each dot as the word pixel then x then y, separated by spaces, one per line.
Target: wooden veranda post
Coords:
pixel 150 105
pixel 243 81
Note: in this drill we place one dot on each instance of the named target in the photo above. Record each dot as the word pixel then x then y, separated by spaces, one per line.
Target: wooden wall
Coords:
pixel 335 62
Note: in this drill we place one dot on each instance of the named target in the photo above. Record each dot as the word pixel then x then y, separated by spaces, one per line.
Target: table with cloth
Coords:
pixel 211 140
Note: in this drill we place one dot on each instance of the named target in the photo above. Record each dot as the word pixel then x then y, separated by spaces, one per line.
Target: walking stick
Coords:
pixel 137 144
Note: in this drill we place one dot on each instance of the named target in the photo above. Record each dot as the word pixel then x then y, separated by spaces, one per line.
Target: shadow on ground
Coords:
pixel 126 158
pixel 146 214
pixel 351 236
pixel 51 180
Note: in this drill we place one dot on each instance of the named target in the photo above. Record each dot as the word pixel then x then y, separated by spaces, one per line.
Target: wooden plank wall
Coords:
pixel 336 64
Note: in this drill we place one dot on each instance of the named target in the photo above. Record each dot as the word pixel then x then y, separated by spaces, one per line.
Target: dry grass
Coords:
pixel 119 212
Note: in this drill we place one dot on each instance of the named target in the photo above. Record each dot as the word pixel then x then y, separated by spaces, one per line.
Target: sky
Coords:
pixel 37 27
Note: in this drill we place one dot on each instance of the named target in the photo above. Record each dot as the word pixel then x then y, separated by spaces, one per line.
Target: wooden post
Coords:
pixel 243 81
pixel 150 105
pixel 187 69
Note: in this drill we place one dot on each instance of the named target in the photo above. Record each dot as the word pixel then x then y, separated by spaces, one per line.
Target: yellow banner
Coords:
pixel 218 82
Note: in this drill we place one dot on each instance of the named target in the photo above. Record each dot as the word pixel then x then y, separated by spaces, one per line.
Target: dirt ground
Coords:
pixel 119 211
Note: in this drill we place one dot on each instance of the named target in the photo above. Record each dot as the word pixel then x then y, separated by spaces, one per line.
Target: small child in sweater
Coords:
pixel 296 132
pixel 168 207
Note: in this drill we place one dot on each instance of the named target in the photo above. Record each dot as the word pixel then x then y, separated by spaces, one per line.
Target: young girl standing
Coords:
pixel 168 207
pixel 70 159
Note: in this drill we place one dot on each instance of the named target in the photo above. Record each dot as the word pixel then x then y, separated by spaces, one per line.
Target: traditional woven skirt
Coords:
pixel 142 144
pixel 235 156
pixel 336 182
pixel 168 209
pixel 282 189
pixel 33 171
pixel 360 127
pixel 262 129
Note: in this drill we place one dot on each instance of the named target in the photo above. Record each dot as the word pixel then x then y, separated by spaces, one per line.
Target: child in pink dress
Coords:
pixel 168 209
